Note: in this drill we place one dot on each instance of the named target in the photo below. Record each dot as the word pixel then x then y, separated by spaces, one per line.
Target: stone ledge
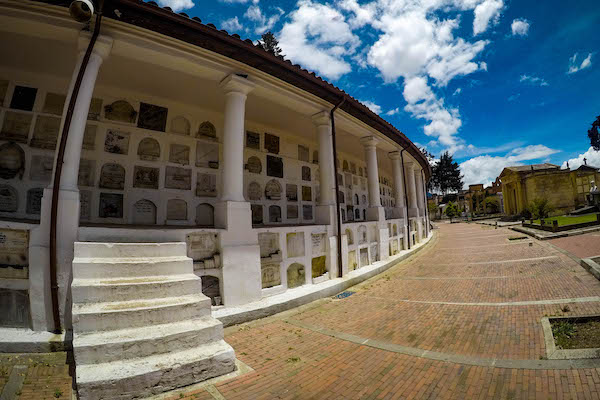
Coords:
pixel 543 235
pixel 591 266
pixel 305 294
pixel 16 340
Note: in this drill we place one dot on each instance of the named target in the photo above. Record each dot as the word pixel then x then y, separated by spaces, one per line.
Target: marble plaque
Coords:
pixel 54 103
pixel 144 213
pixel 274 166
pixel 205 215
pixel 89 137
pixel 318 243
pixel 9 199
pixel 352 264
pixel 120 111
pixel 95 110
pixel 34 201
pixel 87 169
pixel 274 214
pixel 272 143
pixel 374 252
pixel 295 244
pixel 179 154
pixel 273 190
pixel 16 126
pixel 291 192
pixel 348 180
pixel 14 308
pixel 295 276
pixel 307 213
pixel 45 133
pixel 14 253
pixel 306 173
pixel 364 257
pixel 145 177
pixel 111 205
pixel 268 243
pixel 202 245
pixel 206 185
pixel 152 117
pixel 23 98
pixel 112 176
pixel 12 161
pixel 207 155
pixel 319 266
pixel 3 90
pixel 303 153
pixel 362 234
pixel 292 212
pixel 257 214
pixel 271 275
pixel 306 193
pixel 181 126
pixel 116 142
pixel 149 149
pixel 176 210
pixel 254 165
pixel 178 178
pixel 85 205
pixel 253 140
pixel 393 247
pixel 207 131
pixel 254 191
pixel 315 157
pixel 350 213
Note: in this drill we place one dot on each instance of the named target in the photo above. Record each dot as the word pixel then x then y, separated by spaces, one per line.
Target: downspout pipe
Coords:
pixel 426 205
pixel 58 171
pixel 405 199
pixel 337 187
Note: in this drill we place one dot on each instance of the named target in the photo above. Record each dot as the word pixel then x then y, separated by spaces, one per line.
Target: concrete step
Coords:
pixel 118 250
pixel 146 376
pixel 110 346
pixel 88 317
pixel 131 288
pixel 96 268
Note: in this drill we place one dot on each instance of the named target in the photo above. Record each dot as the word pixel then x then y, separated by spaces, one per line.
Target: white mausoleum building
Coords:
pixel 182 133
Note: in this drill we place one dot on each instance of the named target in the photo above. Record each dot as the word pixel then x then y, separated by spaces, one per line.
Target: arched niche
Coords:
pixel 176 210
pixel 356 202
pixel 343 215
pixel 341 197
pixel 143 213
pixel 148 149
pixel 274 213
pixel 121 111
pixel 254 191
pixel 395 230
pixel 349 236
pixel 364 214
pixel 181 126
pixel 207 130
pixel 205 215
pixel 254 165
pixel 211 288
pixel 296 275
pixel 112 176
pixel 357 214
pixel 12 161
pixel 273 190
pixel 364 199
pixel 362 234
pixel 315 157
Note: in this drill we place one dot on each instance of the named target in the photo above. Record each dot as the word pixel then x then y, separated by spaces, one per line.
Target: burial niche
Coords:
pixel 350 237
pixel 178 178
pixel 207 131
pixel 273 190
pixel 356 214
pixel 34 201
pixel 252 140
pixel 274 214
pixel 254 191
pixel 9 199
pixel 176 210
pixel 149 149
pixel 315 157
pixel 95 110
pixel 254 165
pixel 45 133
pixel 180 126
pixel 116 142
pixel 345 166
pixel 395 230
pixel 111 205
pixel 270 274
pixel 352 264
pixel 257 214
pixel 120 111
pixel 364 257
pixel 319 266
pixel 206 185
pixel 306 173
pixel 362 234
pixel 145 177
pixel 86 172
pixel 112 176
pixel 295 244
pixel 207 155
pixel 16 126
pixel 295 275
pixel 291 192
pixel 23 98
pixel 54 103
pixel 307 213
pixel 144 213
pixel 303 153
pixel 14 308
pixel 306 193
pixel 205 215
pixel 89 137
pixel 272 143
pixel 179 154
pixel 292 211
pixel 152 117
pixel 211 289
pixel 274 167
pixel 12 161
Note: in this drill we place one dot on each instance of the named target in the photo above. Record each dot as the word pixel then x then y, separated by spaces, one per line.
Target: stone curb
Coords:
pixel 550 235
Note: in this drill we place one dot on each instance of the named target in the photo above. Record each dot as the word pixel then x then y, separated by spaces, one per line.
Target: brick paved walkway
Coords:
pixel 582 246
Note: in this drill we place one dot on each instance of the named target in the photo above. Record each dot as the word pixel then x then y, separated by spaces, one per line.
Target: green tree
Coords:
pixel 492 205
pixel 433 209
pixel 452 211
pixel 594 135
pixel 540 208
pixel 446 174
pixel 270 43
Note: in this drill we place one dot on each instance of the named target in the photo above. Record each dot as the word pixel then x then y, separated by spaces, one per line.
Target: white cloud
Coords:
pixel 486 168
pixel 263 23
pixel 318 37
pixel 534 80
pixel 393 111
pixel 176 5
pixel 362 14
pixel 574 66
pixel 486 14
pixel 372 106
pixel 232 25
pixel 239 1
pixel 457 92
pixel 520 27
pixel 592 157
pixel 514 97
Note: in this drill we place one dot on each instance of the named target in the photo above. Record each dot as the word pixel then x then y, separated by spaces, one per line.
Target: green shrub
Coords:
pixel 540 208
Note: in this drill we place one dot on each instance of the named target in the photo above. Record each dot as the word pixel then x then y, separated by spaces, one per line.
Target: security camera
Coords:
pixel 81 10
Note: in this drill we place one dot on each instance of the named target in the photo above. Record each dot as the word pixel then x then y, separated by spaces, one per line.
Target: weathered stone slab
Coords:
pixel 16 126
pixel 306 173
pixel 12 161
pixel 254 191
pixel 306 193
pixel 9 199
pixel 268 243
pixel 87 172
pixel 273 190
pixel 180 125
pixel 89 137
pixel 318 243
pixel 152 117
pixel 291 192
pixel 206 186
pixel 352 264
pixel 364 257
pixel 307 213
pixel 176 210
pixel 120 111
pixel 148 149
pixel 116 142
pixel 41 168
pixel 296 275
pixel 207 155
pixel 274 166
pixel 179 154
pixel 292 211
pixel 145 177
pixel 271 275
pixel 207 131
pixel 54 103
pixel 34 201
pixel 303 153
pixel 319 266
pixel 85 205
pixel 274 213
pixel 14 253
pixel 112 176
pixel 144 212
pixel 257 213
pixel 45 132
pixel 111 205
pixel 14 308
pixel 272 143
pixel 202 245
pixel 254 165
pixel 295 244
pixel 253 140
pixel 178 178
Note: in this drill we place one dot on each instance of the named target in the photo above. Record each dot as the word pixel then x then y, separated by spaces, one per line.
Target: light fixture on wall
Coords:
pixel 81 10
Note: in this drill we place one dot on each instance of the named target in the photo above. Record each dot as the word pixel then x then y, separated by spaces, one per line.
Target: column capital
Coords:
pixel 369 141
pixel 101 48
pixel 409 165
pixel 321 118
pixel 237 84
pixel 394 155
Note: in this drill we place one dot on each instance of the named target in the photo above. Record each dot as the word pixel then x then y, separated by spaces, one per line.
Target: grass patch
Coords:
pixel 565 220
pixel 576 333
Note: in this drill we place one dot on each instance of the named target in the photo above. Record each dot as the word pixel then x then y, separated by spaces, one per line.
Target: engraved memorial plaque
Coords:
pixel 149 149
pixel 34 201
pixel 319 266
pixel 207 155
pixel 362 234
pixel 291 192
pixel 306 193
pixel 89 137
pixel 9 199
pixel 207 131
pixel 254 165
pixel 257 213
pixel 206 185
pixel 181 126
pixel 176 210
pixel 254 191
pixel 274 166
pixel 45 133
pixel 352 264
pixel 14 253
pixel 86 172
pixel 202 245
pixel 120 111
pixel 295 244
pixel 274 214
pixel 272 143
pixel 12 161
pixel 307 213
pixel 292 212
pixel 364 257
pixel 269 244
pixel 178 178
pixel 14 307
pixel 152 117
pixel 16 126
pixel 179 154
pixel 95 110
pixel 303 153
pixel 306 173
pixel 318 243
pixel 116 142
pixel 145 177
pixel 144 212
pixel 205 215
pixel 375 252
pixel 23 98
pixel 270 275
pixel 253 140
pixel 85 205
pixel 273 190
pixel 350 213
pixel 295 276
pixel 112 176
pixel 111 205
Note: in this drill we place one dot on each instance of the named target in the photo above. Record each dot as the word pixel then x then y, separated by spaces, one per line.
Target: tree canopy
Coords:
pixel 446 174
pixel 270 43
pixel 594 135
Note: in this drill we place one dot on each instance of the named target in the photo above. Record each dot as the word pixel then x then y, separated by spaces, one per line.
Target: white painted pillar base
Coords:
pixel 384 242
pixel 344 255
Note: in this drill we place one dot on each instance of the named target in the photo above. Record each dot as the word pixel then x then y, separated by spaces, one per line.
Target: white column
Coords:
pixel 325 210
pixel 68 203
pixel 409 171
pixel 236 91
pixel 398 185
pixel 420 205
pixel 375 212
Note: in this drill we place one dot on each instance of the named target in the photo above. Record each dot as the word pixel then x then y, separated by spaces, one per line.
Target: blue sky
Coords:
pixel 495 82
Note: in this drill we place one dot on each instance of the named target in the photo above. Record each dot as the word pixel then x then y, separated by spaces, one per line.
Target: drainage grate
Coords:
pixel 343 295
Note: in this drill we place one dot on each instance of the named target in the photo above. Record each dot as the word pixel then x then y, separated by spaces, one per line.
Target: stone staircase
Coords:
pixel 141 325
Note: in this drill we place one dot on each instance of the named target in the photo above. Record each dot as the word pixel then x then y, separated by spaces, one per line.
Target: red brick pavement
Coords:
pixel 582 246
